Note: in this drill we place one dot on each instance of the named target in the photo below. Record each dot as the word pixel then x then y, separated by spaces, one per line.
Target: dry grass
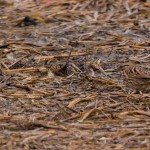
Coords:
pixel 59 84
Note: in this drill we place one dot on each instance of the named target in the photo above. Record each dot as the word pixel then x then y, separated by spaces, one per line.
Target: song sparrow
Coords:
pixel 136 78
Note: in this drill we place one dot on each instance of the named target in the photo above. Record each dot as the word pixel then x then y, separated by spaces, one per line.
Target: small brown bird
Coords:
pixel 136 78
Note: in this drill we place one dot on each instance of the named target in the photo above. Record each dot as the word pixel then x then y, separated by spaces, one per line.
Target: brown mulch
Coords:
pixel 59 83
